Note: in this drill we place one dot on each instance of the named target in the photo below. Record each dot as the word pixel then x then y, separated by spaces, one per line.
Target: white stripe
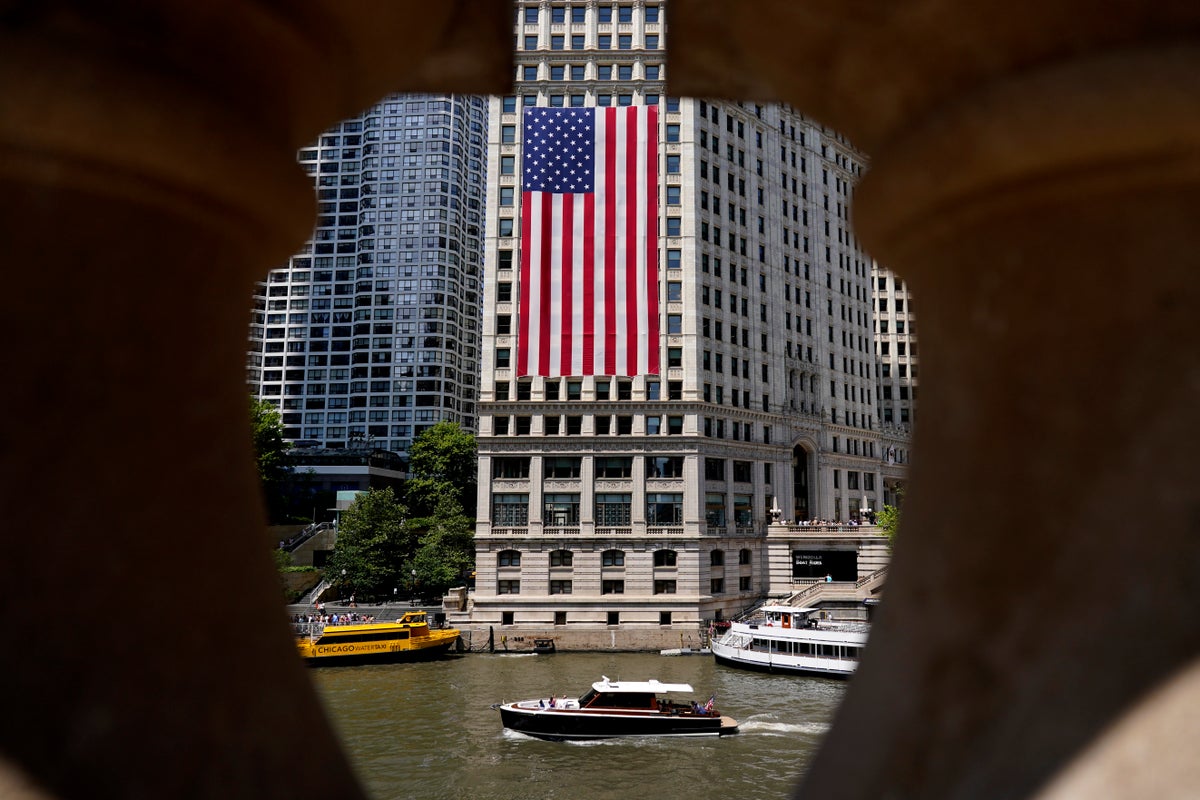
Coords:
pixel 577 285
pixel 621 242
pixel 601 192
pixel 554 302
pixel 643 300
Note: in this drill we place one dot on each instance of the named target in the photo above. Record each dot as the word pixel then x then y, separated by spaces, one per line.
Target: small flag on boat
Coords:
pixel 709 705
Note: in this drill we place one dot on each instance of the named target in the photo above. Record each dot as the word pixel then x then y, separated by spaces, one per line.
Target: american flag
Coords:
pixel 589 242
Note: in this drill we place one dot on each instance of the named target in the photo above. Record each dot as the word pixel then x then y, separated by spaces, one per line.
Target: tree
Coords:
pixel 446 552
pixel 374 542
pixel 269 448
pixel 889 519
pixel 441 460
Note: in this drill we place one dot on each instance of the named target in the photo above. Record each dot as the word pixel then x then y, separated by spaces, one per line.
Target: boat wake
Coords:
pixel 770 727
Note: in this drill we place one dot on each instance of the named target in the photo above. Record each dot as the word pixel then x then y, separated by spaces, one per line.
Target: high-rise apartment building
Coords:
pixel 371 332
pixel 641 503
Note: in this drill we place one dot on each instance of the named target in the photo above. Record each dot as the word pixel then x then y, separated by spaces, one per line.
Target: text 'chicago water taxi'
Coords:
pixel 407 639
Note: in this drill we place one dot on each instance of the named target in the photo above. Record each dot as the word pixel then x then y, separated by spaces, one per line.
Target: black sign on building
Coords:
pixel 842 565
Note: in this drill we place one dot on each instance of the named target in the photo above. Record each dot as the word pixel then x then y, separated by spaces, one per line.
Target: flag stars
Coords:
pixel 558 145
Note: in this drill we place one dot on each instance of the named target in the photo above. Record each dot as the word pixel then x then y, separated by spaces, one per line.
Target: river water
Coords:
pixel 427 730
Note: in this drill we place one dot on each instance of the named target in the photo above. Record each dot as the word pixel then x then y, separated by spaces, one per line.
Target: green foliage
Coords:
pixel 441 460
pixel 446 551
pixel 269 448
pixel 373 543
pixel 889 519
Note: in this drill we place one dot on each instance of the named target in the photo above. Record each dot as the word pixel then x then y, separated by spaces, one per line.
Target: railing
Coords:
pixel 303 536
pixel 874 576
pixel 664 531
pixel 549 531
pixel 510 531
pixel 614 531
pixel 825 529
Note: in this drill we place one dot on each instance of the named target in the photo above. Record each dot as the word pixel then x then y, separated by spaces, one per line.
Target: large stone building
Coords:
pixel 370 334
pixel 640 505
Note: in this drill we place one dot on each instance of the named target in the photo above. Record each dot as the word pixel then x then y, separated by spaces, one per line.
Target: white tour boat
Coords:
pixel 785 639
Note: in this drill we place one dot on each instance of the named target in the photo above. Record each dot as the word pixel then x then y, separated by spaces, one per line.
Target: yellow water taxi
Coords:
pixel 407 639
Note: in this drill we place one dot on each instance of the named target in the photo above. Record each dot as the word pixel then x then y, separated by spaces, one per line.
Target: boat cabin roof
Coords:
pixel 640 687
pixel 787 609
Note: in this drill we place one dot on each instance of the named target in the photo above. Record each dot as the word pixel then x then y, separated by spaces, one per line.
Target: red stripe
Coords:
pixel 631 243
pixel 589 284
pixel 652 240
pixel 524 312
pixel 610 249
pixel 567 276
pixel 545 243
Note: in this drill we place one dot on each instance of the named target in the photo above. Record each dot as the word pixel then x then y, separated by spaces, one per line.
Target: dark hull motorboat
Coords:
pixel 616 708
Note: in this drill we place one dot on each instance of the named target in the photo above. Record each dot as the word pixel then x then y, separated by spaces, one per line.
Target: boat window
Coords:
pixel 827 651
pixel 372 636
pixel 851 652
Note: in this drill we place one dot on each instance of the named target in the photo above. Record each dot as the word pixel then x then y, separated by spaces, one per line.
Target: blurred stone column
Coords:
pixel 1035 175
pixel 147 179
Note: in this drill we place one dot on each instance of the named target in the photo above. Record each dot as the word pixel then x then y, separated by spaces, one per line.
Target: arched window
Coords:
pixel 716 558
pixel 744 556
pixel 508 558
pixel 562 558
pixel 612 558
pixel 664 558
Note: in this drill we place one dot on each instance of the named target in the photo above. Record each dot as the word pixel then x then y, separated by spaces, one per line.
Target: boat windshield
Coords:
pixel 594 699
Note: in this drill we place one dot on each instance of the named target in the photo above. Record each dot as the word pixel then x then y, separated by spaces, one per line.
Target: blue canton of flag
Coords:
pixel 560 150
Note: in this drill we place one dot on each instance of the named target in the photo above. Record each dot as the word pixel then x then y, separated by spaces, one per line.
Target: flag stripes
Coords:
pixel 589 294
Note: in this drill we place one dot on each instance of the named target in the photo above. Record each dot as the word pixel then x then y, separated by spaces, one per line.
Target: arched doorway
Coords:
pixel 800 507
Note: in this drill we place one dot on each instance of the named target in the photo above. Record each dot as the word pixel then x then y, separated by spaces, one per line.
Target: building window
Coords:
pixel 613 510
pixel 664 466
pixel 664 508
pixel 614 617
pixel 665 558
pixel 714 469
pixel 664 618
pixel 503 357
pixel 506 618
pixel 510 510
pixel 510 467
pixel 508 558
pixel 560 510
pixel 743 515
pixel 716 558
pixel 744 583
pixel 508 135
pixel 741 471
pixel 560 618
pixel 744 556
pixel 560 587
pixel 612 587
pixel 508 587
pixel 562 558
pixel 614 466
pixel 612 558
pixel 505 227
pixel 561 466
pixel 664 587
pixel 674 196
pixel 673 164
pixel 716 585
